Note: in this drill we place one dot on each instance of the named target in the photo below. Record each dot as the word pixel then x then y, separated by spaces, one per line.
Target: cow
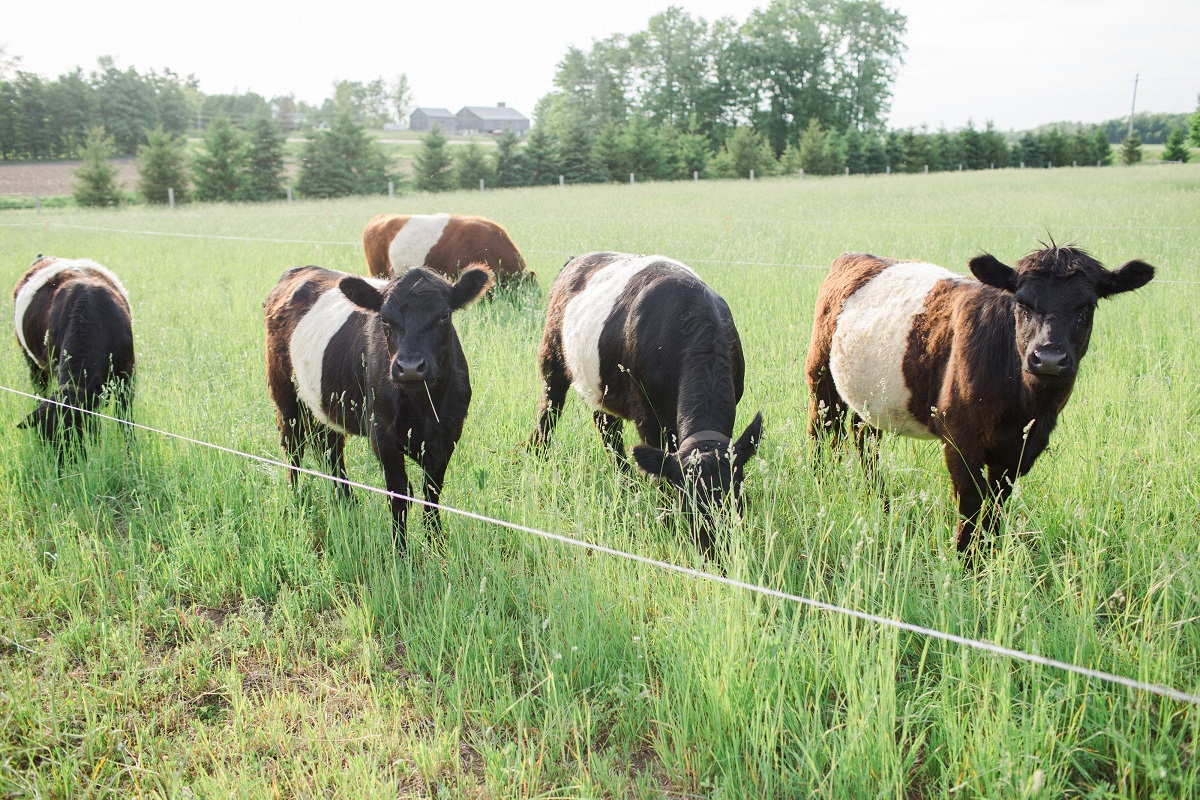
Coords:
pixel 444 243
pixel 348 355
pixel 642 338
pixel 75 327
pixel 984 365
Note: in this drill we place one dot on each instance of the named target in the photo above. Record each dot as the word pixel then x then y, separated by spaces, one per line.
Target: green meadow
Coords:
pixel 178 622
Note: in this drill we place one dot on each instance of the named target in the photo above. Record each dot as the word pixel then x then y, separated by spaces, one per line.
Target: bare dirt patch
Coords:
pixel 48 178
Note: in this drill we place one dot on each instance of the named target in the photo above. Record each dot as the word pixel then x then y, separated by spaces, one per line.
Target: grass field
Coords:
pixel 176 622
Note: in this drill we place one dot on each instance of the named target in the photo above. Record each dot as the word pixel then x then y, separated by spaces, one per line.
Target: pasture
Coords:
pixel 175 621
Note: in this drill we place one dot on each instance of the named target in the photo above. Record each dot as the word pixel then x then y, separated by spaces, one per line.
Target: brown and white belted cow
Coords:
pixel 75 328
pixel 985 366
pixel 444 243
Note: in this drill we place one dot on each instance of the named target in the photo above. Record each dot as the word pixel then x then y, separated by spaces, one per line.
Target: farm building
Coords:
pixel 422 119
pixel 483 119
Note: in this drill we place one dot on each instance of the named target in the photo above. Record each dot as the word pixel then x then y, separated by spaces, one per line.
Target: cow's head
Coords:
pixel 414 313
pixel 707 470
pixel 1054 293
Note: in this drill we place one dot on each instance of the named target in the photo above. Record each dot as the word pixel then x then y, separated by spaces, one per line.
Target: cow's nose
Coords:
pixel 414 370
pixel 1049 362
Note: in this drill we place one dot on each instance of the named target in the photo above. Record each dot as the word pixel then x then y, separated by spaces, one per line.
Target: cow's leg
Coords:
pixel 966 475
pixel 612 431
pixel 293 417
pixel 38 375
pixel 555 384
pixel 866 441
pixel 999 488
pixel 826 408
pixel 396 479
pixel 335 452
pixel 434 463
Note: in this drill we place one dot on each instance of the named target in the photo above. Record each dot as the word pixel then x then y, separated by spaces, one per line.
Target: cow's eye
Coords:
pixel 387 329
pixel 1081 314
pixel 445 317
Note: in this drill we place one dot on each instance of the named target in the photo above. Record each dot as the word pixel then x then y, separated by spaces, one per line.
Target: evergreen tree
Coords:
pixel 162 165
pixel 995 150
pixel 856 152
pixel 1176 149
pixel 971 148
pixel 542 157
pixel 1101 148
pixel 1056 149
pixel 264 162
pixel 1131 150
pixel 433 168
pixel 1083 150
pixel 693 153
pixel 815 155
pixel 1032 154
pixel 341 161
pixel 1194 129
pixel 471 166
pixel 877 159
pixel 577 156
pixel 510 166
pixel 608 151
pixel 745 150
pixel 218 170
pixel 642 151
pixel 96 183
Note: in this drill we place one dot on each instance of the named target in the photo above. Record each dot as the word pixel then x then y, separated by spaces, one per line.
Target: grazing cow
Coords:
pixel 351 355
pixel 444 243
pixel 985 365
pixel 75 327
pixel 642 338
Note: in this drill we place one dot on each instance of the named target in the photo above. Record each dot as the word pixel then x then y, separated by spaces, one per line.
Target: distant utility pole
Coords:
pixel 1134 103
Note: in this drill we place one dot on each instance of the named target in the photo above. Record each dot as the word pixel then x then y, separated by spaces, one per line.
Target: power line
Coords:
pixel 820 605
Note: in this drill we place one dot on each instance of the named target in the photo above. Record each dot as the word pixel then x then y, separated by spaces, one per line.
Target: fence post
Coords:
pixel 1074 164
pixel 926 169
pixel 561 181
pixel 993 166
pixel 1022 165
pixel 631 179
pixel 391 189
pixel 751 174
pixel 695 175
pixel 481 184
pixel 847 172
pixel 1047 165
pixel 170 197
pixel 802 173
pixel 1097 163
pixel 960 167
pixel 289 194
pixel 37 204
pixel 888 169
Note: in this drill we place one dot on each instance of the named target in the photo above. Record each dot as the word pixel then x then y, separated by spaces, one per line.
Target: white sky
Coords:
pixel 1019 63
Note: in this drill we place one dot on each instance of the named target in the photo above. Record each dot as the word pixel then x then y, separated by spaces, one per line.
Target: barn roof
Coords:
pixel 494 113
pixel 434 112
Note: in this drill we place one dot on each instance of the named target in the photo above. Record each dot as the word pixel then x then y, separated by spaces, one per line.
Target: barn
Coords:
pixel 483 119
pixel 423 119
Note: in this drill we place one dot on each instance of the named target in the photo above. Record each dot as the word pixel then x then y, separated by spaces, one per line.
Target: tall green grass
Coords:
pixel 175 621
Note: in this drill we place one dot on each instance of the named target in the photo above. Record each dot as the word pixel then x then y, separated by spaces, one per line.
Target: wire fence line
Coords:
pixel 819 605
pixel 343 243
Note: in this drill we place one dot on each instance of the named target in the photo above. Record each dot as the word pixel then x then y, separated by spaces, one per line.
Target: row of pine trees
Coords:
pixel 343 160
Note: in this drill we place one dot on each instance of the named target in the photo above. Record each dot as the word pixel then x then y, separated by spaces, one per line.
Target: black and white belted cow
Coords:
pixel 985 365
pixel 642 338
pixel 75 327
pixel 348 355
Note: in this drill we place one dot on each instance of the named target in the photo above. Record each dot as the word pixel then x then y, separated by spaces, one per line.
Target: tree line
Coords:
pixel 48 119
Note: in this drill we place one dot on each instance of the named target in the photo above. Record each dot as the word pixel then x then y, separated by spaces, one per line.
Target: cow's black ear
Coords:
pixel 361 293
pixel 472 283
pixel 658 464
pixel 747 444
pixel 991 271
pixel 1133 275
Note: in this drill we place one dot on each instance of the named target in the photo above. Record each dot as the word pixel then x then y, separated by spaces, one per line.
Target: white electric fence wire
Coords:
pixel 933 633
pixel 568 253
